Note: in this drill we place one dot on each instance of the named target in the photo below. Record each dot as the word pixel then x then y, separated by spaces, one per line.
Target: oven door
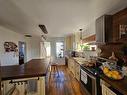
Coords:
pixel 89 82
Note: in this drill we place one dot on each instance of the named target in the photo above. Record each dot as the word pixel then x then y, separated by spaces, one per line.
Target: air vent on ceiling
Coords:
pixel 43 28
pixel 28 36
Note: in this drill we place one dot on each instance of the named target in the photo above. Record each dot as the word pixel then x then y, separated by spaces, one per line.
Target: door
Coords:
pixel 60 53
pixel 22 52
pixel 47 46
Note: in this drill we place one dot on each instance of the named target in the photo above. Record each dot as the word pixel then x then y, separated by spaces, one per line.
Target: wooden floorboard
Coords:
pixel 64 84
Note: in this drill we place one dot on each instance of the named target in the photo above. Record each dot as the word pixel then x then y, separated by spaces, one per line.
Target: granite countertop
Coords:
pixel 33 68
pixel 120 85
pixel 80 60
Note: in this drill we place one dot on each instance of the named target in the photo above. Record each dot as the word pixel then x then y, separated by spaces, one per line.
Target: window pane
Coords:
pixel 59 49
pixel 48 48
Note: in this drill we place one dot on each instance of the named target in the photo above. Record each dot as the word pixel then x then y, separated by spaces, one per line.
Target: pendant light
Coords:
pixel 80 35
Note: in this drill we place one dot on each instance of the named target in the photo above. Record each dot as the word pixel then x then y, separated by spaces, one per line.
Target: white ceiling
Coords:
pixel 61 17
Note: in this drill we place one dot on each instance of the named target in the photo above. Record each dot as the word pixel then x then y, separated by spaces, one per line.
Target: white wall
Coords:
pixel 89 29
pixel 32 46
pixel 87 54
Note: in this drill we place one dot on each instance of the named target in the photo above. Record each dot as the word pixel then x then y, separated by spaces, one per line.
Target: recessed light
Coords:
pixel 28 35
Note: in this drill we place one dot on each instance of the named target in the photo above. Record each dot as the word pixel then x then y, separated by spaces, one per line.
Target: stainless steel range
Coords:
pixel 90 79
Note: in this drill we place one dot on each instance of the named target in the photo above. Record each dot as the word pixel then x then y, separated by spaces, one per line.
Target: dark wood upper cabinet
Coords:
pixel 120 25
pixel 89 39
pixel 104 29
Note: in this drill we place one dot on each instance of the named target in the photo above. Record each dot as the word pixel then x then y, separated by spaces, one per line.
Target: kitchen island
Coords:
pixel 20 75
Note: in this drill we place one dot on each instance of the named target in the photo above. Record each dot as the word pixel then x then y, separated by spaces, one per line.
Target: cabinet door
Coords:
pixel 77 70
pixel 110 92
pixel 107 91
pixel 69 64
pixel 104 90
pixel 100 36
pixel 104 29
pixel 73 67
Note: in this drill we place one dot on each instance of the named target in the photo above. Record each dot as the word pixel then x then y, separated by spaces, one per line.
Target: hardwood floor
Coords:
pixel 63 84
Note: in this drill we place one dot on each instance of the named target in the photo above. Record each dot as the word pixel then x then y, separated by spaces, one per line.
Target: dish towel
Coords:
pixel 84 76
pixel 32 86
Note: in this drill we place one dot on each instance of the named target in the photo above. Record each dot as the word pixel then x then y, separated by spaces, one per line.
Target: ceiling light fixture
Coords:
pixel 28 36
pixel 43 28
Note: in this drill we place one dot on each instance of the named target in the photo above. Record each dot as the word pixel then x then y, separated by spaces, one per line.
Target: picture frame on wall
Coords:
pixel 123 31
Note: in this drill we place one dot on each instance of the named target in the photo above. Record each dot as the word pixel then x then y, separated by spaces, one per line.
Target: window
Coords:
pixel 59 49
pixel 48 48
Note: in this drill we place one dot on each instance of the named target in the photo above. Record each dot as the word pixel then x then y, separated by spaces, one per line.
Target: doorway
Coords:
pixel 48 48
pixel 60 53
pixel 22 52
pixel 59 49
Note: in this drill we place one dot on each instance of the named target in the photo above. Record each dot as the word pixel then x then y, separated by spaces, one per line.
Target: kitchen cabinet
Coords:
pixel 21 86
pixel 72 41
pixel 69 42
pixel 106 90
pixel 71 65
pixel 119 19
pixel 104 29
pixel 77 39
pixel 77 71
pixel 89 39
pixel 74 67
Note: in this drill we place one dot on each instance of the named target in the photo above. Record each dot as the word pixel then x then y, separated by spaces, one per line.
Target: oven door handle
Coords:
pixel 91 76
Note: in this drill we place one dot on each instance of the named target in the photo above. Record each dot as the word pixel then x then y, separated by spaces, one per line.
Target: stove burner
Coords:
pixel 93 70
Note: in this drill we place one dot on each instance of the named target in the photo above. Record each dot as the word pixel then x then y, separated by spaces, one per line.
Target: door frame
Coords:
pixel 25 57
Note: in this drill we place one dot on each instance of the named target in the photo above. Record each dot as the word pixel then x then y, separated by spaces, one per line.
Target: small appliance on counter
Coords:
pixel 73 53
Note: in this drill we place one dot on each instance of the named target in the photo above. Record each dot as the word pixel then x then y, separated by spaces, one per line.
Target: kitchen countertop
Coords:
pixel 33 68
pixel 120 85
pixel 80 60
